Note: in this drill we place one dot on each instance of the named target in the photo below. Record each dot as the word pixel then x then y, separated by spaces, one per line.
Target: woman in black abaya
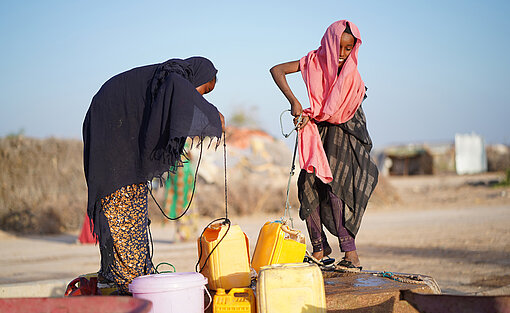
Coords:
pixel 135 130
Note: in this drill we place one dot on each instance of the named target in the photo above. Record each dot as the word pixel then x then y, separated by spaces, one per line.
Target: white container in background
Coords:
pixel 470 155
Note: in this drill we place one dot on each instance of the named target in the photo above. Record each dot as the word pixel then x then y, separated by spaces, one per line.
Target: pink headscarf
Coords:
pixel 333 98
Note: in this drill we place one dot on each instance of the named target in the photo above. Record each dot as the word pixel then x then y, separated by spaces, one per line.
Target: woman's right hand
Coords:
pixel 304 121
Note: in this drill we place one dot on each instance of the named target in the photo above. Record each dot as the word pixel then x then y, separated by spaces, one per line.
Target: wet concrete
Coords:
pixel 364 292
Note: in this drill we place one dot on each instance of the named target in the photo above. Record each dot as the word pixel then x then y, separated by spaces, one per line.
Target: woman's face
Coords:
pixel 207 87
pixel 346 46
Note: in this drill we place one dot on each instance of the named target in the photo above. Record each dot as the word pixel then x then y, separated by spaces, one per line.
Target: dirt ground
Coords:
pixel 453 228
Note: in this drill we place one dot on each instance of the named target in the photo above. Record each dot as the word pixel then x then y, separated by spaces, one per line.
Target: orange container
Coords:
pixel 278 244
pixel 225 262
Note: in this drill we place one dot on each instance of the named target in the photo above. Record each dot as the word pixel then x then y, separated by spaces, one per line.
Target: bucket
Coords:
pixel 278 244
pixel 105 289
pixel 172 292
pixel 88 285
pixel 224 257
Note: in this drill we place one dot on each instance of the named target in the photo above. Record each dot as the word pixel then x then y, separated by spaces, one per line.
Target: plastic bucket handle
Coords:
pixel 210 298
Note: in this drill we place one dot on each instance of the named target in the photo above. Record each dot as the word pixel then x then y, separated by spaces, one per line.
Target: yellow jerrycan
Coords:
pixel 241 300
pixel 293 287
pixel 224 256
pixel 277 244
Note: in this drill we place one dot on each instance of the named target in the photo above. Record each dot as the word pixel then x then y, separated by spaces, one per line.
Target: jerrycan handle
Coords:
pixel 289 231
pixel 293 234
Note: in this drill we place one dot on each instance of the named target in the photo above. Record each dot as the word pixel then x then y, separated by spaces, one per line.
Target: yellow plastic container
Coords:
pixel 296 287
pixel 228 266
pixel 237 300
pixel 278 244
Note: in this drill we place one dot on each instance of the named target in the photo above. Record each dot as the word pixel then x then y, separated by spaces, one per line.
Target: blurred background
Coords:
pixel 437 111
pixel 435 71
pixel 433 68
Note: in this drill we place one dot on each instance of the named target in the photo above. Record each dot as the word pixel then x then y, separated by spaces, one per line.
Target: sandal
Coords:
pixel 347 266
pixel 324 262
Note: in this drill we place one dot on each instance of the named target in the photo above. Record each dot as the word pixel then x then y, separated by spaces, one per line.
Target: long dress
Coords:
pixel 355 175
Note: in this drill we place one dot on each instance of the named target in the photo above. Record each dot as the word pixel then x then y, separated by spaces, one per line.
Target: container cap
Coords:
pixel 167 282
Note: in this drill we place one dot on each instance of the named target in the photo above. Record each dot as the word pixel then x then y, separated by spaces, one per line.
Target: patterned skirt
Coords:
pixel 128 257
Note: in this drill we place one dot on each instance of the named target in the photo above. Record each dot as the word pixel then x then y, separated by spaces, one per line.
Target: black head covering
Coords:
pixel 137 124
pixel 203 70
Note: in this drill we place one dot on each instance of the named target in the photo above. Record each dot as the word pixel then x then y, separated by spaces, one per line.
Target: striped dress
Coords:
pixel 355 175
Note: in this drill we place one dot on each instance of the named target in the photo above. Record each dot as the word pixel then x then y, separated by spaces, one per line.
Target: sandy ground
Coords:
pixel 453 228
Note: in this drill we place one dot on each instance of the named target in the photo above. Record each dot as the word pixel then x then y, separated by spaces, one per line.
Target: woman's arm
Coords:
pixel 278 72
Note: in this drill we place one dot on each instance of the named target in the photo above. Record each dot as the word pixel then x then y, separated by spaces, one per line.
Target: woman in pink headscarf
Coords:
pixel 338 176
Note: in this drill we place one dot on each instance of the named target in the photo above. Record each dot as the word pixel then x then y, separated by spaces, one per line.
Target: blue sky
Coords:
pixel 433 68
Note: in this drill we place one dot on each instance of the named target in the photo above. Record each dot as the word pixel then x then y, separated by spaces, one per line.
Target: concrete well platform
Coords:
pixel 365 292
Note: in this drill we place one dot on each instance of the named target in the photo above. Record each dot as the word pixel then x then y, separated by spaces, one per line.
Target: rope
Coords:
pixel 149 184
pixel 192 191
pixel 225 219
pixel 411 279
pixel 293 129
pixel 286 213
pixel 225 166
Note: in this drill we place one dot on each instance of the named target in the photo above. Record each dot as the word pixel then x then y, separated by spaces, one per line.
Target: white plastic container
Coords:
pixel 172 292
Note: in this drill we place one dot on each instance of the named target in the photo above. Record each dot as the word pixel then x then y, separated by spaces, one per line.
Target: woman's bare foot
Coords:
pixel 320 254
pixel 352 256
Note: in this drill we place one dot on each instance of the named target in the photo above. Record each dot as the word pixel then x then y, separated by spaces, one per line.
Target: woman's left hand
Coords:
pixel 304 121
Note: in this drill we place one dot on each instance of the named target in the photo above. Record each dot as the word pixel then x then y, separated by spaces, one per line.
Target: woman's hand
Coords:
pixel 222 121
pixel 295 108
pixel 304 121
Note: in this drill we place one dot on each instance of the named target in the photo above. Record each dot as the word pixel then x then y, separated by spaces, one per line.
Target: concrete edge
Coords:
pixel 37 289
pixel 502 291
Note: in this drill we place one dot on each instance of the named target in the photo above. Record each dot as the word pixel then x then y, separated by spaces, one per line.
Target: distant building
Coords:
pixel 416 159
pixel 408 160
pixel 468 155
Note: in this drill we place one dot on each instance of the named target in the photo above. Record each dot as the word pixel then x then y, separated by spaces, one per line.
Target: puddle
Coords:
pixel 367 282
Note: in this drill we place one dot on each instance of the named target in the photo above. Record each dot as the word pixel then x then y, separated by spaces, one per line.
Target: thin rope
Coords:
pixel 225 167
pixel 411 279
pixel 225 219
pixel 286 213
pixel 293 129
pixel 192 192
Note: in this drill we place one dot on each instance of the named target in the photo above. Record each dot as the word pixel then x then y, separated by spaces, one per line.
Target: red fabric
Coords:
pixel 86 235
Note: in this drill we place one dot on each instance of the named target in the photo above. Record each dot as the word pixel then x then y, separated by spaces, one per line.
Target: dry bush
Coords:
pixel 43 189
pixel 42 185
